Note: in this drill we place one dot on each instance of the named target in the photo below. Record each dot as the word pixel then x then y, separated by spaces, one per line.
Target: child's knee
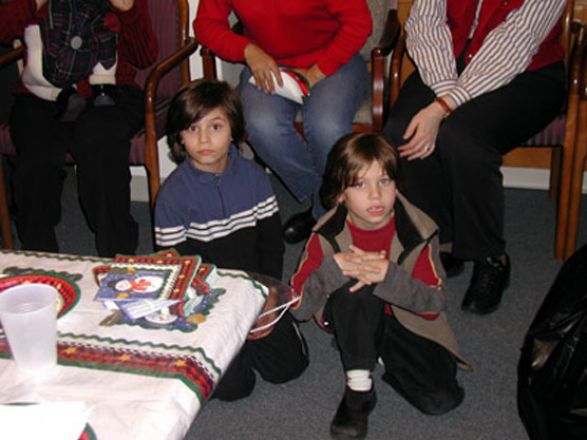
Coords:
pixel 289 370
pixel 235 387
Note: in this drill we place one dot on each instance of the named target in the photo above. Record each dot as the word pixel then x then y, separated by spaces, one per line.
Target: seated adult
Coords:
pixel 77 94
pixel 319 39
pixel 489 76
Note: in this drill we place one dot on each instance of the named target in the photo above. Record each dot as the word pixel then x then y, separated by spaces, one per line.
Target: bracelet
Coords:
pixel 441 102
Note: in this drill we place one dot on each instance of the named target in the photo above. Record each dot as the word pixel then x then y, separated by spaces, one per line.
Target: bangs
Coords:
pixel 364 152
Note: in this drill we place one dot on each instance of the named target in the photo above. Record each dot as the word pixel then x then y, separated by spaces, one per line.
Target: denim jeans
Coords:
pixel 327 115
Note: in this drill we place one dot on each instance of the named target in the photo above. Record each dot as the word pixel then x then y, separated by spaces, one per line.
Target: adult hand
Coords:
pixel 422 132
pixel 313 74
pixel 40 3
pixel 263 67
pixel 122 5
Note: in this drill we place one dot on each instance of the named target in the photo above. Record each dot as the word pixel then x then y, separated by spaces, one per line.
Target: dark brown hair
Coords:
pixel 193 102
pixel 349 155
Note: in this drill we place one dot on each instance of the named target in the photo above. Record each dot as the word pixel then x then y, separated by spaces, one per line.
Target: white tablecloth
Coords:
pixel 139 383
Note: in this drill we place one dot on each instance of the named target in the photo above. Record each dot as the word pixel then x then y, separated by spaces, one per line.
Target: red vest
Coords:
pixel 461 14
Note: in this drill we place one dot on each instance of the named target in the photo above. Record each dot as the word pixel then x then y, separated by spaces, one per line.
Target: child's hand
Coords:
pixel 373 269
pixel 366 267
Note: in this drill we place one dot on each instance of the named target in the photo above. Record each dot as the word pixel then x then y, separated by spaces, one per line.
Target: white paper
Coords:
pixel 290 89
pixel 48 420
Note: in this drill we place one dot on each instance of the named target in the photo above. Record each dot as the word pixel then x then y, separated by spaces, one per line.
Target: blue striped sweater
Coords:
pixel 230 219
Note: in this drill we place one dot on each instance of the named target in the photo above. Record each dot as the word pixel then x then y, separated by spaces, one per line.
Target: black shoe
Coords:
pixel 298 227
pixel 452 266
pixel 351 418
pixel 490 278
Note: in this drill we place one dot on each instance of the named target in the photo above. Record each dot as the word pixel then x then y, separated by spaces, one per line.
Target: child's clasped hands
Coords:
pixel 366 267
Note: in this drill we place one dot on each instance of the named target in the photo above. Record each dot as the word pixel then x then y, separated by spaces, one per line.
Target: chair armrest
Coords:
pixel 11 56
pixel 387 42
pixel 208 63
pixel 395 69
pixel 577 59
pixel 389 37
pixel 152 83
pixel 163 67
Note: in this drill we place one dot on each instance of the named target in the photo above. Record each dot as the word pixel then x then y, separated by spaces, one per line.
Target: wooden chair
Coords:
pixel 559 138
pixel 171 25
pixel 386 31
pixel 579 166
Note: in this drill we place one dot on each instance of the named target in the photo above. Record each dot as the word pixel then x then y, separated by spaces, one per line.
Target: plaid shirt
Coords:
pixel 64 65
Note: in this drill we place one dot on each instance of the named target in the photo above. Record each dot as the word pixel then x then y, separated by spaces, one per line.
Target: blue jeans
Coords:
pixel 327 115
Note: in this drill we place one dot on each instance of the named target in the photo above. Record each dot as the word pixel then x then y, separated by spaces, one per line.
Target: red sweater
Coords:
pixel 137 47
pixel 296 33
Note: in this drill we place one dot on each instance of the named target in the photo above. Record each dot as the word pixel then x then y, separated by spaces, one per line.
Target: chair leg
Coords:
pixel 555 178
pixel 574 136
pixel 4 213
pixel 562 213
pixel 576 185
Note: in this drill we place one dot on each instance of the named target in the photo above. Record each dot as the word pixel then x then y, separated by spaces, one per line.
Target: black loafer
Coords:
pixel 491 277
pixel 298 227
pixel 452 266
pixel 351 418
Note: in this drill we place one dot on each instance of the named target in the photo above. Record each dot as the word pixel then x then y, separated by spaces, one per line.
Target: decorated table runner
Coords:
pixel 142 379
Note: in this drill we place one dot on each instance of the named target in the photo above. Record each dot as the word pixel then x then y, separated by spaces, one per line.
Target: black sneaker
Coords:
pixel 299 227
pixel 452 266
pixel 490 278
pixel 351 418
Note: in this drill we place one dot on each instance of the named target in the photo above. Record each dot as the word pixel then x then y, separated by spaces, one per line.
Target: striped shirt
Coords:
pixel 506 51
pixel 230 219
pixel 207 231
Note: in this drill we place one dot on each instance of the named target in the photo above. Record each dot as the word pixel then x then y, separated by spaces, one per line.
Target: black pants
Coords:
pixel 460 185
pixel 279 357
pixel 422 371
pixel 99 140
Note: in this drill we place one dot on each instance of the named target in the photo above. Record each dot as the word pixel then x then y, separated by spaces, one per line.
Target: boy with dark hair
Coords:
pixel 221 206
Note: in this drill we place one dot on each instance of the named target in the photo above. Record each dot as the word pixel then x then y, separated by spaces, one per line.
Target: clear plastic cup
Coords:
pixel 28 314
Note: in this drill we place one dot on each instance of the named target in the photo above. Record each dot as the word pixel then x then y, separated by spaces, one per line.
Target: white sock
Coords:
pixel 359 380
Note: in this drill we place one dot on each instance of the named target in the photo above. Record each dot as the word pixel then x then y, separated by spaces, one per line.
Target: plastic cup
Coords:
pixel 28 314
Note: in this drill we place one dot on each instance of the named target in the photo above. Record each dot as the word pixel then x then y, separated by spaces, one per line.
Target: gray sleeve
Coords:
pixel 400 289
pixel 319 285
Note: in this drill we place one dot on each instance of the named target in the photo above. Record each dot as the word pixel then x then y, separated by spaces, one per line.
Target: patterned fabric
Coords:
pixel 144 382
pixel 510 38
pixel 72 22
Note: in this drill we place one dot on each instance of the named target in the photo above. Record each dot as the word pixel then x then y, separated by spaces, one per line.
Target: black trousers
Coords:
pixel 279 357
pixel 460 185
pixel 422 371
pixel 99 141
